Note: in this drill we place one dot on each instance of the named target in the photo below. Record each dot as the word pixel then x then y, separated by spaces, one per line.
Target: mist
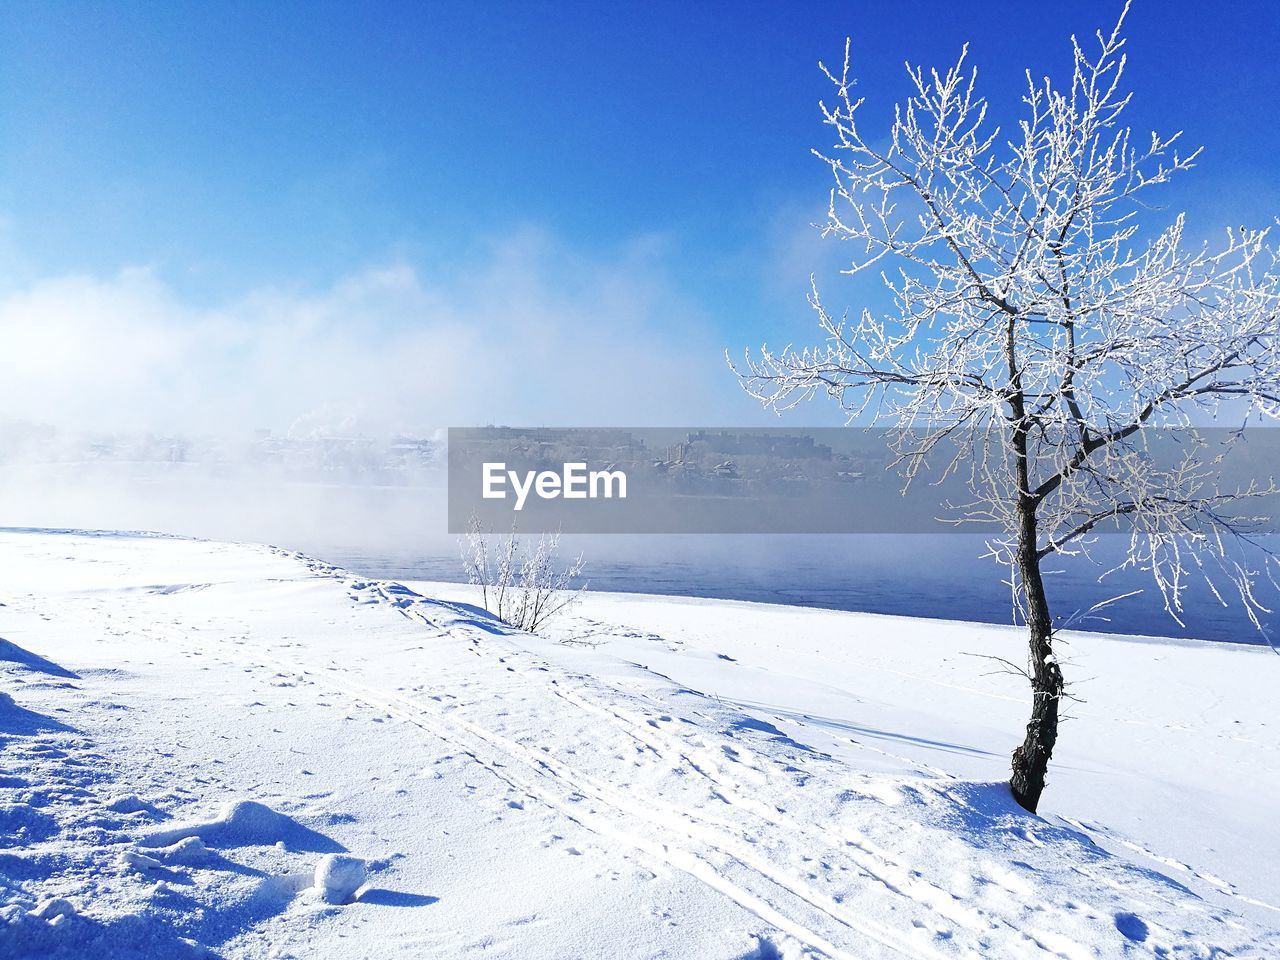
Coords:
pixel 522 330
pixel 126 402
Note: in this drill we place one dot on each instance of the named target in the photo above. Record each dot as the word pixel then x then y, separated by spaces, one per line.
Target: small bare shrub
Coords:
pixel 521 580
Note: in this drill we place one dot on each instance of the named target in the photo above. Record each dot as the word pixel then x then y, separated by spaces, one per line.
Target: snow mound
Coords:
pixel 54 910
pixel 12 653
pixel 188 852
pixel 239 822
pixel 67 935
pixel 338 877
pixel 132 860
pixel 127 803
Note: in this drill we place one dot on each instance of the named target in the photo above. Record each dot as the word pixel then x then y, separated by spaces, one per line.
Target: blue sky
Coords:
pixel 230 147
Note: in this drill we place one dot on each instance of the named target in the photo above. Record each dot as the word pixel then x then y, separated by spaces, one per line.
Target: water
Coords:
pixel 921 576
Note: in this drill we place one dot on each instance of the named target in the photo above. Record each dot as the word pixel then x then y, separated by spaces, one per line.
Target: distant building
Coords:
pixel 759 445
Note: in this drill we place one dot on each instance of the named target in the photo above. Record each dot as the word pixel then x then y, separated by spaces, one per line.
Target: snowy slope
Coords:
pixel 1168 747
pixel 197 731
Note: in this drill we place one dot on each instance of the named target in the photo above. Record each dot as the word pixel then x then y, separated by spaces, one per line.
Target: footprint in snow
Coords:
pixel 765 949
pixel 1132 926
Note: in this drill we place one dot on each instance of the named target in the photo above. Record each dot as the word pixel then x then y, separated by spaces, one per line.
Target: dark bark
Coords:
pixel 1031 760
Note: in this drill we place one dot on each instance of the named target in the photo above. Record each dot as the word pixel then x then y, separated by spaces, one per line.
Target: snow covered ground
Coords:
pixel 230 750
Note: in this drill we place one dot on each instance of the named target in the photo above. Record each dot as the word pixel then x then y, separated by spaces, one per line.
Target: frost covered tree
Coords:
pixel 1045 322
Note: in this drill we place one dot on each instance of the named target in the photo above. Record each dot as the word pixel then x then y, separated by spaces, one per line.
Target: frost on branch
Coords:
pixel 522 582
pixel 1047 321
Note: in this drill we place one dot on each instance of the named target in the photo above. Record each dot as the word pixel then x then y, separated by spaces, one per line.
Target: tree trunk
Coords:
pixel 1031 760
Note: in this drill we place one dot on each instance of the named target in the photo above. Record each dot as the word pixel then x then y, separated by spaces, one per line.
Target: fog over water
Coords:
pixel 382 518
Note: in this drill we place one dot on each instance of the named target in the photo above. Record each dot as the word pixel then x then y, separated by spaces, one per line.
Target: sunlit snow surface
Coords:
pixel 206 745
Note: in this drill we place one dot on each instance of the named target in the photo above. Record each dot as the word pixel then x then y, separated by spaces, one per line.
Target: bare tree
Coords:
pixel 1045 321
pixel 521 582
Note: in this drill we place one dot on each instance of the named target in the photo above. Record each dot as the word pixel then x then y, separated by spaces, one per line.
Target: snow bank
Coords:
pixel 715 780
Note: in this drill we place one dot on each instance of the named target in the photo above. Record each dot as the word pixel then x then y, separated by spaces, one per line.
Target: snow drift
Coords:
pixel 227 750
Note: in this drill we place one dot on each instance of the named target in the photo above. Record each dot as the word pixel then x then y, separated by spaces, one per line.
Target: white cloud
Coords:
pixel 528 331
